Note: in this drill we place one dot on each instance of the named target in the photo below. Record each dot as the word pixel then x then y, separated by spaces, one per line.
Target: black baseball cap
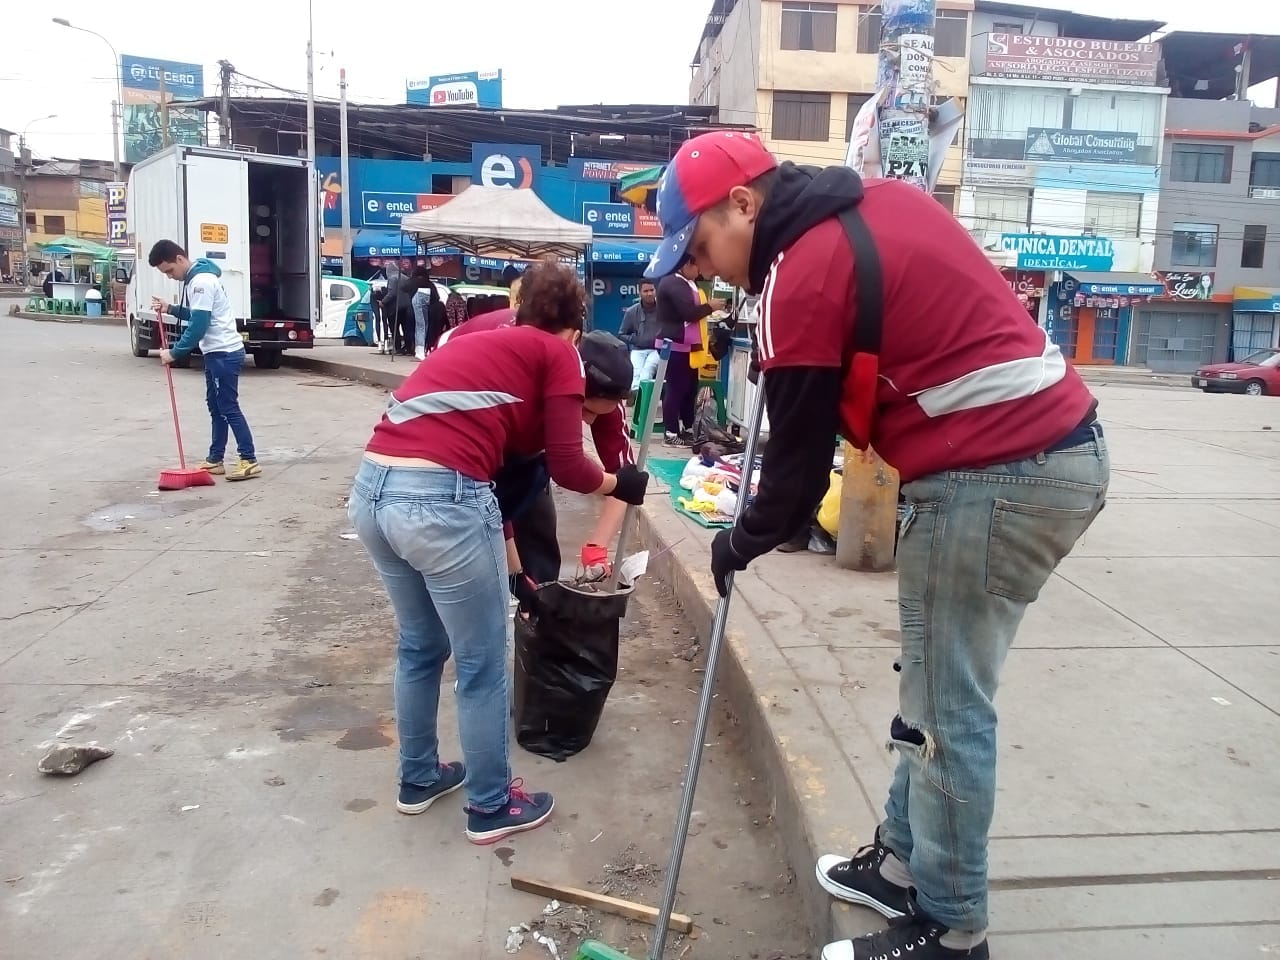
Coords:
pixel 606 361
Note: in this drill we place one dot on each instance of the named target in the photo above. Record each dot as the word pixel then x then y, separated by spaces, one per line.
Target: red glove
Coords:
pixel 594 555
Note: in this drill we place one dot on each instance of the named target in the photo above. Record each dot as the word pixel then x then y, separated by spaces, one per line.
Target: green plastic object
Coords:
pixel 595 950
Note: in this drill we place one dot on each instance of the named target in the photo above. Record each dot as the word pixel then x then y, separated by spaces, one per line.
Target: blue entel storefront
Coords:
pixel 383 191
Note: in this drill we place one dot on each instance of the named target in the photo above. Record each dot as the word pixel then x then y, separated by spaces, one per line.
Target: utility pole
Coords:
pixel 117 112
pixel 869 497
pixel 345 173
pixel 224 104
pixel 24 161
pixel 165 139
pixel 313 222
pixel 311 95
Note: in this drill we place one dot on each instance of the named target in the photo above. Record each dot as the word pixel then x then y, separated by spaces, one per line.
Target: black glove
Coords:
pixel 631 485
pixel 725 559
pixel 524 590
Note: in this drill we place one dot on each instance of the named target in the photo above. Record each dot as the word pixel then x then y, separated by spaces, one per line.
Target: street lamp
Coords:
pixel 115 69
pixel 24 161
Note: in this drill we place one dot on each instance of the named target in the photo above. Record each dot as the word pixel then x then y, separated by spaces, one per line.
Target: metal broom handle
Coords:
pixel 672 880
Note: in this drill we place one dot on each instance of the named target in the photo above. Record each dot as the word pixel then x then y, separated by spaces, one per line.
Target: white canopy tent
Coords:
pixel 499 222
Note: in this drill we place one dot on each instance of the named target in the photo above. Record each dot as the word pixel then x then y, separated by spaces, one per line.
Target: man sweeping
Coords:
pixel 211 325
pixel 883 321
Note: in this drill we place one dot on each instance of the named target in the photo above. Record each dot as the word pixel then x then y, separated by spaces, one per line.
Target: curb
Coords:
pixel 386 379
pixel 69 318
pixel 808 793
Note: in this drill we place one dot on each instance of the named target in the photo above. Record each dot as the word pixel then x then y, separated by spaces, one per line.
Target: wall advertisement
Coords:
pixel 478 88
pixel 1070 58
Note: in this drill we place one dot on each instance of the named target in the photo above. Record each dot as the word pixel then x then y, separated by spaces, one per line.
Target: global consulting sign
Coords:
pixel 1090 146
pixel 512 165
pixel 1041 251
pixel 474 89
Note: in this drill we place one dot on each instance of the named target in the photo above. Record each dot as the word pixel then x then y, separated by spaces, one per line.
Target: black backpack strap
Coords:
pixel 868 321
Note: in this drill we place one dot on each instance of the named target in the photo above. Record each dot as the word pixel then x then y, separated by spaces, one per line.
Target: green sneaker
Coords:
pixel 245 470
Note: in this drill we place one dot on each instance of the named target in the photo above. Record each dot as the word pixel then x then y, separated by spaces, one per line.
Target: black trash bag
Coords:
pixel 565 664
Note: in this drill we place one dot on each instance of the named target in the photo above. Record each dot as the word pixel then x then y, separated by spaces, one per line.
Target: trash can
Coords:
pixel 93 303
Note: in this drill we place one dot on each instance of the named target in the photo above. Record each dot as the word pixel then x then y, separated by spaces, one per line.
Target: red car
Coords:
pixel 1257 375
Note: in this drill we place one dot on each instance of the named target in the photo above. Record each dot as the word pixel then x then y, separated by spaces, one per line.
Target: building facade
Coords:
pixel 1217 238
pixel 800 70
pixel 67 198
pixel 1061 174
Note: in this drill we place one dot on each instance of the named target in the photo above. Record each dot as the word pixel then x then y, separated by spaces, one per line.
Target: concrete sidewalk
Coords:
pixel 364 364
pixel 1140 710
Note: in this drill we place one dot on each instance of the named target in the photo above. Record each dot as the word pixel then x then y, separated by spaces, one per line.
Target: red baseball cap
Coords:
pixel 700 176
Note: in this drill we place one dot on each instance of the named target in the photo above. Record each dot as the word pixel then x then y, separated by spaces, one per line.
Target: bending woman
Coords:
pixel 424 508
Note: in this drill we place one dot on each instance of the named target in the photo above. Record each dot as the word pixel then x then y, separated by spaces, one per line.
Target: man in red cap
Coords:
pixel 882 321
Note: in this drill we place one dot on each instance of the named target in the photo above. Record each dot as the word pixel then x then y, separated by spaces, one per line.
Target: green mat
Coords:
pixel 669 470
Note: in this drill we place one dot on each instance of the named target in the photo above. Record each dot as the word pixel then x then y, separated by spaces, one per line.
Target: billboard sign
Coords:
pixel 1090 146
pixel 604 171
pixel 1070 58
pixel 8 207
pixel 388 209
pixel 1044 251
pixel 620 220
pixel 1186 285
pixel 117 221
pixel 475 89
pixel 980 172
pixel 142 78
pixel 513 165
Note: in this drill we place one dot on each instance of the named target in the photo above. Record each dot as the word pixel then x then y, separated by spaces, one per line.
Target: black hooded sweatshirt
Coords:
pixel 803 402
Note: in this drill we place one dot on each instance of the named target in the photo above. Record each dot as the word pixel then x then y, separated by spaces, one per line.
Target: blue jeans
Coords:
pixel 421 301
pixel 222 394
pixel 975 548
pixel 435 538
pixel 644 366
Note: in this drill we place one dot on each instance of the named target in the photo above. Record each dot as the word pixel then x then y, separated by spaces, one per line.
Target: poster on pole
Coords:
pixel 906 157
pixel 915 71
pixel 863 154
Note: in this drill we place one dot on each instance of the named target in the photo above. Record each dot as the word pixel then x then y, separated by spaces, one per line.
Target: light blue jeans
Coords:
pixel 975 548
pixel 421 300
pixel 435 538
pixel 644 366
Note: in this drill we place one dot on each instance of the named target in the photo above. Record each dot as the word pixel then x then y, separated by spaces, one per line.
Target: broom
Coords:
pixel 184 476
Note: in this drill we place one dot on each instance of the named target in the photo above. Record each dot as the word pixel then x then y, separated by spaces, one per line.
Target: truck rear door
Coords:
pixel 217 221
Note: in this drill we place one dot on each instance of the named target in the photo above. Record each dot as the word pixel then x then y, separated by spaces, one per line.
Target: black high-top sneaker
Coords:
pixel 858 880
pixel 915 935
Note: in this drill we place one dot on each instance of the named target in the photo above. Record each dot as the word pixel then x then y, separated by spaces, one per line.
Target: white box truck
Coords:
pixel 252 214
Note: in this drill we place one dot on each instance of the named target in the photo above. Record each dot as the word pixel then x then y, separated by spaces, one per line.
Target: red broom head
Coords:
pixel 179 479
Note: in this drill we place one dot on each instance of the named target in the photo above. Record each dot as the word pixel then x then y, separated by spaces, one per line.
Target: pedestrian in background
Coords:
pixel 883 321
pixel 679 309
pixel 640 332
pixel 428 313
pixel 423 505
pixel 211 325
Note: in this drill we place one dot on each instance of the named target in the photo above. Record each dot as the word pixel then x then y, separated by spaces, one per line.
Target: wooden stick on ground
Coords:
pixel 598 901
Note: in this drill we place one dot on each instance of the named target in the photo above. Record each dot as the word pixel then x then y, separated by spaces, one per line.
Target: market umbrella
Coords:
pixel 635 187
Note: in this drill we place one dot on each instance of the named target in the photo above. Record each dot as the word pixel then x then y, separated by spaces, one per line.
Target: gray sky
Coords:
pixel 551 52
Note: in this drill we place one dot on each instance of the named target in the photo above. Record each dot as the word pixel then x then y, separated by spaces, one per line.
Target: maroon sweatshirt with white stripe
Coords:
pixel 967 379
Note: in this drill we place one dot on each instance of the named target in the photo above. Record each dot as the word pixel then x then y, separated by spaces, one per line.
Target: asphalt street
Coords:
pixel 234 649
